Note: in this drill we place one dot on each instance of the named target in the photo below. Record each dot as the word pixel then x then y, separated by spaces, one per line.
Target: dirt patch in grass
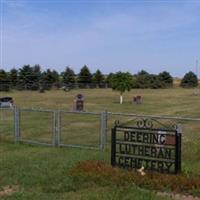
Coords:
pixel 177 196
pixel 7 190
pixel 103 173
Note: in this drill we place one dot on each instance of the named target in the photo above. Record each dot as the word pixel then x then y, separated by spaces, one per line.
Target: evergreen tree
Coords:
pixel 142 80
pixel 48 78
pixel 25 74
pixel 166 79
pixel 109 79
pixel 98 77
pixel 13 76
pixel 189 80
pixel 4 81
pixel 68 76
pixel 154 82
pixel 145 80
pixel 29 77
pixel 143 73
pixel 85 77
pixel 36 74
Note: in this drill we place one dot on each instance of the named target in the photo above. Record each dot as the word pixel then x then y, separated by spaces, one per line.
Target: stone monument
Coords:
pixel 79 102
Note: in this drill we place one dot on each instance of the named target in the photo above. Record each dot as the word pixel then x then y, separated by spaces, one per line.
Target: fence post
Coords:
pixel 113 146
pixel 17 124
pixel 105 126
pixel 178 147
pixel 103 131
pixel 55 128
pixel 58 127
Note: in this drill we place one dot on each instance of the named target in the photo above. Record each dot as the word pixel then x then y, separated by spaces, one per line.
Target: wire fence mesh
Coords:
pixel 80 129
pixel 87 129
pixel 36 126
pixel 6 124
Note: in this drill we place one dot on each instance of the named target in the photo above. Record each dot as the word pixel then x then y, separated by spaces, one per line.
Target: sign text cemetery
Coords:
pixel 153 148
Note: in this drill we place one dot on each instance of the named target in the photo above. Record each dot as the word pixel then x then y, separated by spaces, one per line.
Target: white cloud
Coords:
pixel 132 37
pixel 13 4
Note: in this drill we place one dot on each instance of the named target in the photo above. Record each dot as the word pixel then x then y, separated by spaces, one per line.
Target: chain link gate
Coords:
pixel 81 129
pixel 60 128
pixel 34 126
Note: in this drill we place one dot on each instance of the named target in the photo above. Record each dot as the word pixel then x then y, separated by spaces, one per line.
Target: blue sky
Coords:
pixel 109 35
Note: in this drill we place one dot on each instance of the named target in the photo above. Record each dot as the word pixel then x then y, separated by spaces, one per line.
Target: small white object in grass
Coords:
pixel 141 171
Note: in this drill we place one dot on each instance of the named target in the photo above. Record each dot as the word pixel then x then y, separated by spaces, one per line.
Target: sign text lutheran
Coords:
pixel 154 149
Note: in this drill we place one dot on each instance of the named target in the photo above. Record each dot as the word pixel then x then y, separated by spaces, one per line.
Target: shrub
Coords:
pixel 103 173
pixel 154 82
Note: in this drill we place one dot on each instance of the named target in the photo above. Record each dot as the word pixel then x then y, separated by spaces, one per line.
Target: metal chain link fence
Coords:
pixel 83 129
pixel 6 124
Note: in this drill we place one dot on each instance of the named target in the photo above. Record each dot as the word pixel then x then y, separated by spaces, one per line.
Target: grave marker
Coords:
pixel 137 99
pixel 79 102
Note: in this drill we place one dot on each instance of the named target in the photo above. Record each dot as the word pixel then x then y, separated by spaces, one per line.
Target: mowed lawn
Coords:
pixel 175 101
pixel 44 172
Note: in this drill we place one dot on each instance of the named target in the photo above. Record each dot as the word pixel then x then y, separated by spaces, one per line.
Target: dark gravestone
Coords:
pixel 137 100
pixel 79 102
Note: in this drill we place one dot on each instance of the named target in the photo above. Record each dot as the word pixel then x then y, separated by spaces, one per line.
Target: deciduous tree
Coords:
pixel 122 82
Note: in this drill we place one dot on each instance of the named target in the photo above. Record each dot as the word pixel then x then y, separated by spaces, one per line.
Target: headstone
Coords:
pixel 137 99
pixel 41 89
pixel 79 102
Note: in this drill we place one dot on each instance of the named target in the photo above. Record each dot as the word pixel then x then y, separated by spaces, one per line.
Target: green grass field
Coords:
pixel 43 172
pixel 175 101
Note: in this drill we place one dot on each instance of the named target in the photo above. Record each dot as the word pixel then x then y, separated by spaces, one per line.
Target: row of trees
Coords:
pixel 33 78
pixel 124 81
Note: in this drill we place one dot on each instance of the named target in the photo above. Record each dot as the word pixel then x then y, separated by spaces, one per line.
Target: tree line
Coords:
pixel 33 78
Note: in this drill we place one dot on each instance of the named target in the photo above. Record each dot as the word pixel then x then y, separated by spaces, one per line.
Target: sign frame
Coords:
pixel 177 131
